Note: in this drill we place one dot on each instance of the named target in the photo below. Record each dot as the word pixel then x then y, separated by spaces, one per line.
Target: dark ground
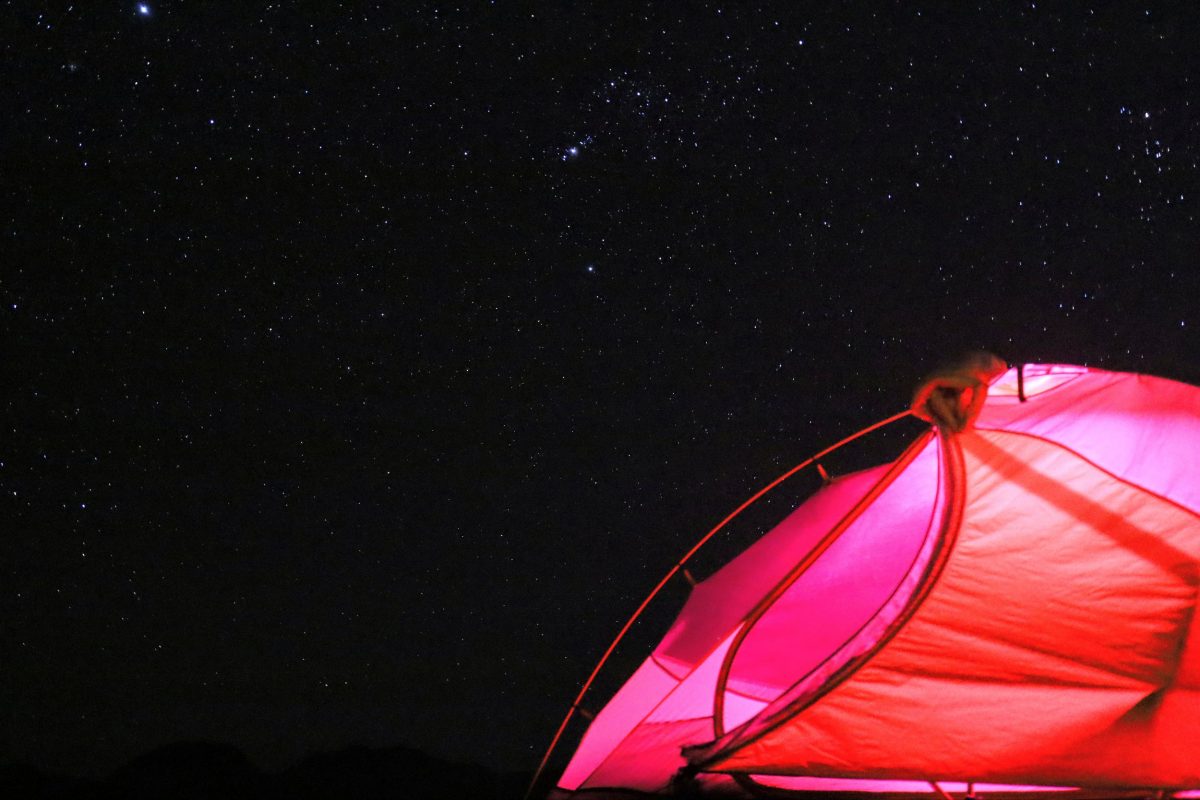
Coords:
pixel 209 771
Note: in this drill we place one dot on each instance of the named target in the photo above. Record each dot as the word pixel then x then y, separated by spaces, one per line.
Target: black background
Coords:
pixel 365 364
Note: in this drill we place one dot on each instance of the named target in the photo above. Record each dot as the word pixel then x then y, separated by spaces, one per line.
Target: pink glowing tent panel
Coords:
pixel 635 742
pixel 1008 603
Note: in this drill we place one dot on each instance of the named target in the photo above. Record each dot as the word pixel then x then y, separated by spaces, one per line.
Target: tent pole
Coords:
pixel 832 535
pixel 678 566
pixel 941 792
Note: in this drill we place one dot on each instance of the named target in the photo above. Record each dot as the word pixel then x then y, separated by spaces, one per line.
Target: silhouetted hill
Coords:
pixel 209 771
pixel 188 771
pixel 22 780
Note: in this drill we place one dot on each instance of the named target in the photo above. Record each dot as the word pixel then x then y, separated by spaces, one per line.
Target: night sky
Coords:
pixel 365 364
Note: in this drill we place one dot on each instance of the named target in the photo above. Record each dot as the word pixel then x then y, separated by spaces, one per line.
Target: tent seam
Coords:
pixel 1158 495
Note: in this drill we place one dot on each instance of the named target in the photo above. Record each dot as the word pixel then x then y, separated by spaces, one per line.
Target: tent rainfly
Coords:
pixel 1007 609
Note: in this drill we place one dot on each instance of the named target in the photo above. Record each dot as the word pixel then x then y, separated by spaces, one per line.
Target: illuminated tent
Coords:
pixel 1008 607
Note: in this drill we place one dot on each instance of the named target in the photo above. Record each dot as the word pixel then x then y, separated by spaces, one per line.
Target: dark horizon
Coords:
pixel 206 747
pixel 214 769
pixel 368 365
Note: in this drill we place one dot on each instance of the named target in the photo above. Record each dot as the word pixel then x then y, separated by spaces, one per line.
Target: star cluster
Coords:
pixel 368 365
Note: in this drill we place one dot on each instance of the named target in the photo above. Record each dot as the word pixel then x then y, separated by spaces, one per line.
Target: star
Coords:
pixel 573 151
pixel 143 9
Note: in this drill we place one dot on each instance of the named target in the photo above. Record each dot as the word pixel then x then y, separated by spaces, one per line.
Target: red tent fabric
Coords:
pixel 1010 603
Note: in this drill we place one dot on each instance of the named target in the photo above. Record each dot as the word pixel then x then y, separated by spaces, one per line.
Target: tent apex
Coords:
pixel 952 396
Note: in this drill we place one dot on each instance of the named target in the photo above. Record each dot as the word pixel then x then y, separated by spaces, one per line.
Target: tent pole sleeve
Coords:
pixel 799 569
pixel 678 566
pixel 951 523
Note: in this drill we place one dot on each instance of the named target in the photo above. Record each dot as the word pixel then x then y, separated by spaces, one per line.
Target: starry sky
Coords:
pixel 365 364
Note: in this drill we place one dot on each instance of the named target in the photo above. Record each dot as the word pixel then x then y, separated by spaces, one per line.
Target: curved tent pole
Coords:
pixel 802 566
pixel 945 539
pixel 678 566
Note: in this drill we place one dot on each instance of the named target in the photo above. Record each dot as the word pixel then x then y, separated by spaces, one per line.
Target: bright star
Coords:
pixel 574 150
pixel 143 9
